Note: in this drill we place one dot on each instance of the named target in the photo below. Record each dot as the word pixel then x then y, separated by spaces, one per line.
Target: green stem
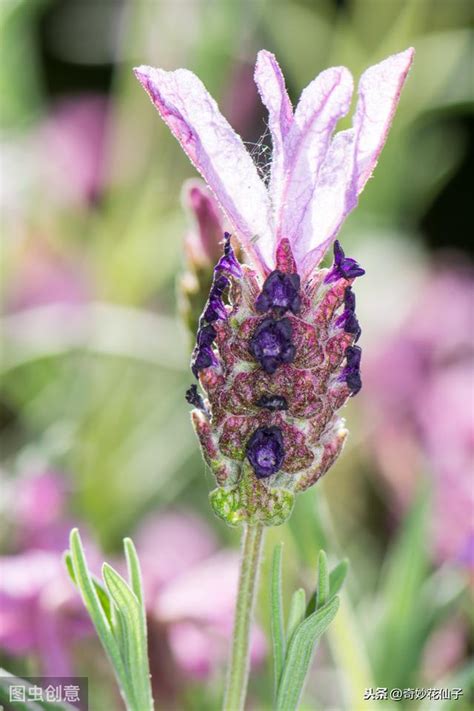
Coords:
pixel 238 673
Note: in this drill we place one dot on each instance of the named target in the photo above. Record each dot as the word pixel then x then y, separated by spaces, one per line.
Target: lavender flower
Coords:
pixel 275 353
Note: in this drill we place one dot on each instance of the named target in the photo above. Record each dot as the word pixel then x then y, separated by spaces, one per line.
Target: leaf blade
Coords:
pixel 337 577
pixel 299 655
pixel 323 580
pixel 95 610
pixel 130 611
pixel 296 614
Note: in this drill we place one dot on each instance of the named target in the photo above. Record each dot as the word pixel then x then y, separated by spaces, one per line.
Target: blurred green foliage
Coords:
pixel 105 404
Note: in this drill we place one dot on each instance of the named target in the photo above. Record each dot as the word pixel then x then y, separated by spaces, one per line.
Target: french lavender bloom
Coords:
pixel 275 353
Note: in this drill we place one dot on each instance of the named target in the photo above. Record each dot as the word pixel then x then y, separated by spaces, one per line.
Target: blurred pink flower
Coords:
pixel 41 276
pixel 190 589
pixel 419 389
pixel 40 612
pixel 39 512
pixel 73 142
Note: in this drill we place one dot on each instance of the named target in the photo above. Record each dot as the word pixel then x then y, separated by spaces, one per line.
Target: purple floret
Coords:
pixel 343 267
pixel 352 326
pixel 265 451
pixel 271 344
pixel 206 336
pixel 351 373
pixel 280 292
pixel 205 357
pixel 228 262
pixel 194 398
pixel 214 310
pixel 349 299
pixel 348 320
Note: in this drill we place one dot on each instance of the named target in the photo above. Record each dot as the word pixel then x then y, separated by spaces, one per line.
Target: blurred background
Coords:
pixel 95 429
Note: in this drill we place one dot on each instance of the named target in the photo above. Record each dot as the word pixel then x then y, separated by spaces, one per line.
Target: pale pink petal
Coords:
pixel 379 93
pixel 321 105
pixel 271 86
pixel 334 196
pixel 350 159
pixel 218 154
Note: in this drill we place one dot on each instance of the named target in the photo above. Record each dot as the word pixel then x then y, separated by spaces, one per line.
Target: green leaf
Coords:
pixel 7 680
pixel 299 655
pixel 119 617
pixel 337 577
pixel 99 588
pixel 97 614
pixel 278 632
pixel 133 631
pixel 69 566
pixel 323 580
pixel 133 568
pixel 297 612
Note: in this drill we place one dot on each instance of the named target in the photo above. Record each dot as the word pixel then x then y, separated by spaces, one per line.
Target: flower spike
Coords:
pixel 276 355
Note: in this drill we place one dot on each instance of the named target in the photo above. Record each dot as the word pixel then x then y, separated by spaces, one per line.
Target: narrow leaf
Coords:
pixel 133 567
pixel 129 608
pixel 101 593
pixel 296 614
pixel 135 578
pixel 337 577
pixel 69 566
pixel 278 632
pixel 95 610
pixel 323 580
pixel 299 655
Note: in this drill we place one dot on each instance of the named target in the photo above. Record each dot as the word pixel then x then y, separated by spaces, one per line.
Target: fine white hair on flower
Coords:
pixel 261 154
